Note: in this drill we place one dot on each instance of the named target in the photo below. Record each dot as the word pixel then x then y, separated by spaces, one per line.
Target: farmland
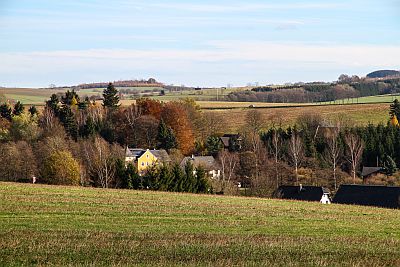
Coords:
pixel 85 226
pixel 361 111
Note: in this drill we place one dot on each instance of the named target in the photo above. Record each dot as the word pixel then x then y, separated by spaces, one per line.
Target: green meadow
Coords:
pixel 55 225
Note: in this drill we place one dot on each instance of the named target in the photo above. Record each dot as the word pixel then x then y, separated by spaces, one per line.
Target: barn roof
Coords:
pixel 369 195
pixel 366 171
pixel 305 193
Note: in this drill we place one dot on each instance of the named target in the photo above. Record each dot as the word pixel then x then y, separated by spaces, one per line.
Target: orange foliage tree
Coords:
pixel 150 107
pixel 176 116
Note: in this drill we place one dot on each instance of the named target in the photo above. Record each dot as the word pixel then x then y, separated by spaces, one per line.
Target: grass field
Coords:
pixel 51 225
pixel 357 114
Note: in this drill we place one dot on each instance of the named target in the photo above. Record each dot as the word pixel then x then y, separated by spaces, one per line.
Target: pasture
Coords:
pixel 54 225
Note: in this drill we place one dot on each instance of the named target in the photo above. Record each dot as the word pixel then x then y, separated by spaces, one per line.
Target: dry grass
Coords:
pixel 49 225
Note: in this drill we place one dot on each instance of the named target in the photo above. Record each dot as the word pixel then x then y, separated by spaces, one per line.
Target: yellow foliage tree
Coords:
pixel 394 121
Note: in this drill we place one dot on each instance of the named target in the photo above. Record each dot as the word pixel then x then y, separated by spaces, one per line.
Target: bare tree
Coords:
pixel 229 161
pixel 99 161
pixel 333 151
pixel 275 146
pixel 132 114
pixel 355 146
pixel 296 152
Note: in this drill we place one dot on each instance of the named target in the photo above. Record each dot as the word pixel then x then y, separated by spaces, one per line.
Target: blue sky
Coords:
pixel 198 43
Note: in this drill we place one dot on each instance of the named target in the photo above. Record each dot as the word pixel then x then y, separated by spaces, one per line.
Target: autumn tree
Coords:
pixel 24 127
pixel 175 116
pixel 146 106
pixel 61 168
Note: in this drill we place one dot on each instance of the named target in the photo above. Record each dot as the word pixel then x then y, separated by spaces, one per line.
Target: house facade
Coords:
pixel 142 159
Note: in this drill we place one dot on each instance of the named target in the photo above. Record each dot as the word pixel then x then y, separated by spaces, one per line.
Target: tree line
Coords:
pixel 80 142
pixel 345 87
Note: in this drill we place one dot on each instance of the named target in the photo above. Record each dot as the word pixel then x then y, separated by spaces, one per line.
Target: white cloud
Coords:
pixel 222 62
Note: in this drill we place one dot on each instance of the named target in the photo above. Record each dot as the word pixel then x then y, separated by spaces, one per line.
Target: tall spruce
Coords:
pixel 395 109
pixel 67 117
pixel 18 109
pixel 53 104
pixel 110 97
pixel 190 184
pixel 166 136
pixel 203 185
pixel 33 111
pixel 5 112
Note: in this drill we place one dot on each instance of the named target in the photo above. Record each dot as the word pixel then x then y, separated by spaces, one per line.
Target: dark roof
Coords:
pixel 366 171
pixel 161 154
pixel 207 162
pixel 305 193
pixel 225 141
pixel 369 195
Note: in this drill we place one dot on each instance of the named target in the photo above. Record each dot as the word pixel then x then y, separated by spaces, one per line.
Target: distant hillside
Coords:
pixel 383 73
pixel 128 83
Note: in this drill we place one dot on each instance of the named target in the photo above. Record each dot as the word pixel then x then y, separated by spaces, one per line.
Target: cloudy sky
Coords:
pixel 198 43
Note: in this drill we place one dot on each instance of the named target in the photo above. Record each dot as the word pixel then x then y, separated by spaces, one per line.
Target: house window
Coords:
pixel 142 163
pixel 147 164
pixel 147 156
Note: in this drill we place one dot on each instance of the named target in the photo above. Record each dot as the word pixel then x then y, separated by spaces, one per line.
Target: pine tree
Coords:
pixel 5 112
pixel 390 166
pixel 190 179
pixel 67 117
pixel 132 176
pixel 203 185
pixel 18 109
pixel 213 145
pixel 70 98
pixel 89 128
pixel 110 97
pixel 53 104
pixel 166 178
pixel 166 136
pixel 178 179
pixel 33 111
pixel 395 109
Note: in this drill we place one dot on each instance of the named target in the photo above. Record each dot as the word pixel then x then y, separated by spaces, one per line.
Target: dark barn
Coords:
pixel 304 193
pixel 369 195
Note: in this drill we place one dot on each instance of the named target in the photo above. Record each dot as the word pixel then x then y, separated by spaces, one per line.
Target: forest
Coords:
pixel 75 141
pixel 345 87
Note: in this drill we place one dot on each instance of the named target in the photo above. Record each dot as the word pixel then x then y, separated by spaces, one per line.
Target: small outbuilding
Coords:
pixel 303 193
pixel 369 195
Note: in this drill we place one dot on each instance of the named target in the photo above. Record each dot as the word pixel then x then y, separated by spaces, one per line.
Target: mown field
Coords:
pixel 53 225
pixel 357 114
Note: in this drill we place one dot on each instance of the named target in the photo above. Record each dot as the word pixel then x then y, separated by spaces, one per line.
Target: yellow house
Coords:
pixel 144 158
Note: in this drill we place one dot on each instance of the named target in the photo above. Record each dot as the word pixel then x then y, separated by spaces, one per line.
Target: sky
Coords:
pixel 195 43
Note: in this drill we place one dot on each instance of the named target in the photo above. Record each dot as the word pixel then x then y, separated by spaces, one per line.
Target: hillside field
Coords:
pixel 54 225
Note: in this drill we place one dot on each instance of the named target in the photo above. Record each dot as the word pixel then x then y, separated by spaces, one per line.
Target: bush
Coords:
pixel 61 168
